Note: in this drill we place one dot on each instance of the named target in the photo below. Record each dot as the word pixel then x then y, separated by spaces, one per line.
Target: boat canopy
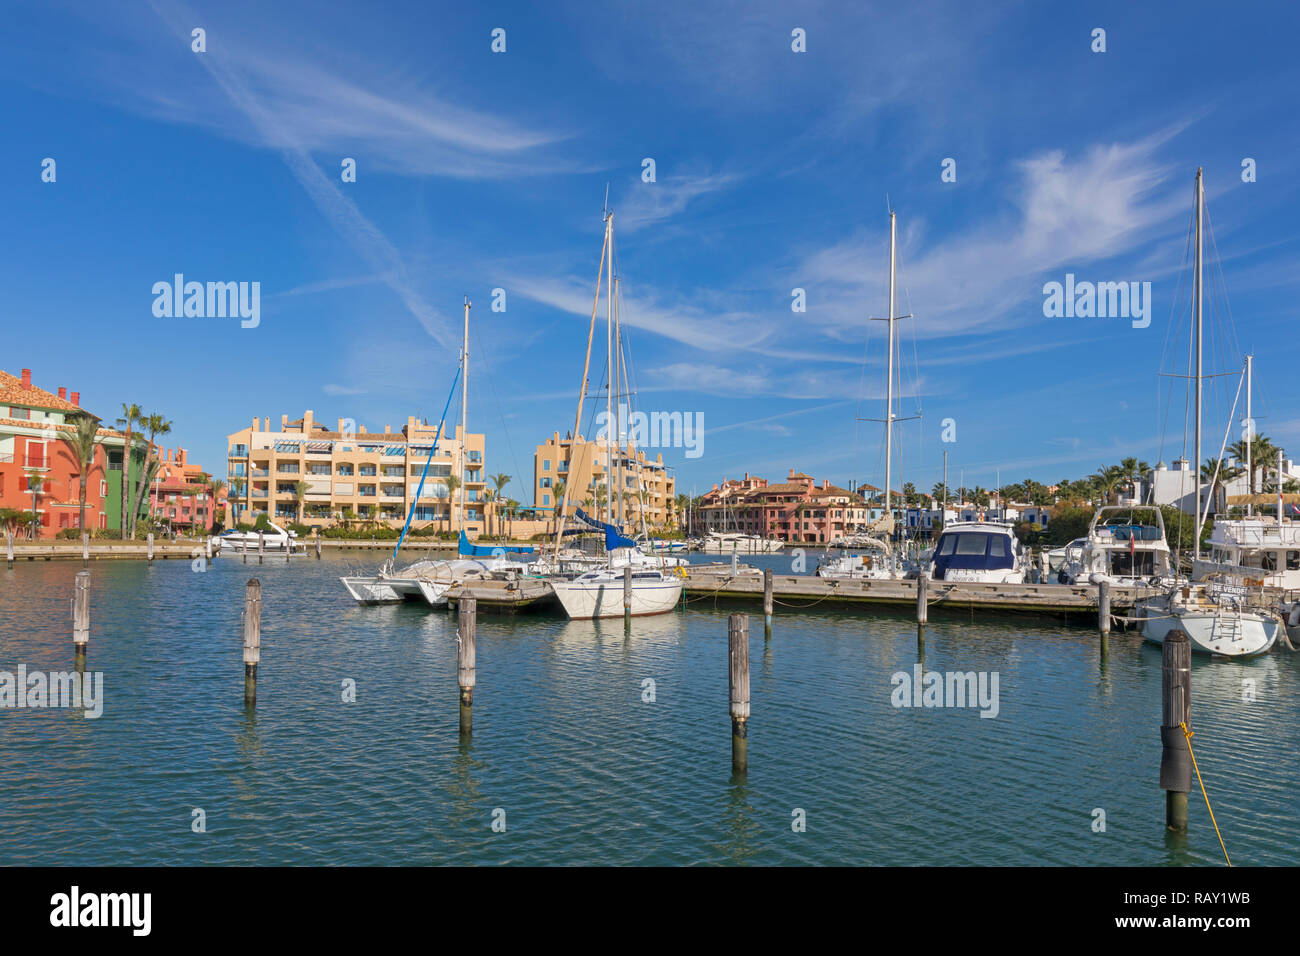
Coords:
pixel 479 551
pixel 973 551
pixel 1134 532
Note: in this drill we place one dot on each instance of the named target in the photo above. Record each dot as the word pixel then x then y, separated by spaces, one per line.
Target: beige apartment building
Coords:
pixel 584 468
pixel 374 474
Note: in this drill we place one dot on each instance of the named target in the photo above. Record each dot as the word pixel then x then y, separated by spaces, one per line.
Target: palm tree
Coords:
pixel 1106 478
pixel 130 415
pixel 35 481
pixel 558 491
pixel 300 492
pixel 215 487
pixel 499 481
pixel 488 497
pixel 452 483
pixel 1213 482
pixel 236 486
pixel 1134 470
pixel 157 426
pixel 681 506
pixel 512 510
pixel 81 442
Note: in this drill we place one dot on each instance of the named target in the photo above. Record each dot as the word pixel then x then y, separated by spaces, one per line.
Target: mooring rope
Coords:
pixel 1188 734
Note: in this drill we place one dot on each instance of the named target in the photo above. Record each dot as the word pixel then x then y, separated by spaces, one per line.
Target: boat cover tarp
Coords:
pixel 479 551
pixel 972 551
pixel 613 537
pixel 1141 532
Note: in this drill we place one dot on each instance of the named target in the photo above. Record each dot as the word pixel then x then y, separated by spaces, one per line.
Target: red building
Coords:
pixel 796 510
pixel 38 471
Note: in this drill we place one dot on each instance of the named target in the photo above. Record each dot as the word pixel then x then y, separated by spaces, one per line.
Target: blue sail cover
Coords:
pixel 613 537
pixel 477 551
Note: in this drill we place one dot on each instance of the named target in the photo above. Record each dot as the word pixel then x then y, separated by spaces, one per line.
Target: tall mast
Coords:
pixel 464 407
pixel 889 408
pixel 618 364
pixel 609 366
pixel 1196 465
pixel 1250 436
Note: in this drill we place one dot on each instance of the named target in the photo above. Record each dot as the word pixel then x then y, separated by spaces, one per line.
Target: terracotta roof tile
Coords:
pixel 13 393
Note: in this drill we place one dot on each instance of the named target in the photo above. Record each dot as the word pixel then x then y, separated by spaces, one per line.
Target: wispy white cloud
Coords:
pixel 647 204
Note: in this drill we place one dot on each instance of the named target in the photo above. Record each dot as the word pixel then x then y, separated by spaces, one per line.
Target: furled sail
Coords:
pixel 479 551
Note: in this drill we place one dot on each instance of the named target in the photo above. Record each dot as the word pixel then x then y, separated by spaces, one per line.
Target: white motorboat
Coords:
pixel 1121 548
pixel 735 542
pixel 1218 619
pixel 978 552
pixel 427 580
pixel 870 560
pixel 599 593
pixel 275 541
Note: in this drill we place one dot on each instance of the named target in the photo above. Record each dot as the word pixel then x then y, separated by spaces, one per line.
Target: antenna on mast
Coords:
pixel 604 210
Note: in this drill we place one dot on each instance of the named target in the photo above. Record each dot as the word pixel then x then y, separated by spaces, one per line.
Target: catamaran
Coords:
pixel 428 578
pixel 599 592
pixel 1230 618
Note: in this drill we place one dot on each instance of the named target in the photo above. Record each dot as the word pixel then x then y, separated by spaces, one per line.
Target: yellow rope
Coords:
pixel 1188 734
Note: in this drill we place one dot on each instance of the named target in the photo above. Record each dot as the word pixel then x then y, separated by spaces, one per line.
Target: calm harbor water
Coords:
pixel 584 769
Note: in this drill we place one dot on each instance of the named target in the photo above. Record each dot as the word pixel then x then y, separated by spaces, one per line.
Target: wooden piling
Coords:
pixel 85 548
pixel 1103 612
pixel 467 612
pixel 318 544
pixel 738 644
pixel 149 547
pixel 81 615
pixel 9 548
pixel 1176 710
pixel 922 606
pixel 767 602
pixel 261 546
pixel 252 638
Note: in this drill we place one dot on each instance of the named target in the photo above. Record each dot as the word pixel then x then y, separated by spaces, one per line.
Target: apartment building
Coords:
pixel 305 471
pixel 797 510
pixel 40 473
pixel 584 467
pixel 179 494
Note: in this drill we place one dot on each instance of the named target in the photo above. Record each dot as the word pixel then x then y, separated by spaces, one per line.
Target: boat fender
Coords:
pixel 1293 618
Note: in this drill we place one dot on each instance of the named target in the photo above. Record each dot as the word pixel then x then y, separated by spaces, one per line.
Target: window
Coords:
pixel 546 464
pixel 546 499
pixel 1293 560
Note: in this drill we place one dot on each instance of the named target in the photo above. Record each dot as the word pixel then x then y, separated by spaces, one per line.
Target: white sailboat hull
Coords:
pixel 585 600
pixel 1225 633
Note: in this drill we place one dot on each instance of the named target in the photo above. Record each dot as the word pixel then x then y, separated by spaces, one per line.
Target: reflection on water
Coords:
pixel 586 763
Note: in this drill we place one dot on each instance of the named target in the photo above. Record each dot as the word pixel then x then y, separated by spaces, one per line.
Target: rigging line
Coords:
pixel 432 450
pixel 486 366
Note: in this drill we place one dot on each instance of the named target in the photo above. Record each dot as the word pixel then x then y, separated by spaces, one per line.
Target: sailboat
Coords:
pixel 594 592
pixel 1226 619
pixel 874 556
pixel 429 578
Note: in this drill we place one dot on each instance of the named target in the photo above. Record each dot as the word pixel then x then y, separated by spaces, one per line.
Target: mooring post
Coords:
pixel 627 598
pixel 252 638
pixel 85 548
pixel 261 545
pixel 318 544
pixel 1176 709
pixel 81 616
pixel 467 611
pixel 207 545
pixel 735 563
pixel 149 546
pixel 9 548
pixel 767 603
pixel 922 606
pixel 1103 612
pixel 738 644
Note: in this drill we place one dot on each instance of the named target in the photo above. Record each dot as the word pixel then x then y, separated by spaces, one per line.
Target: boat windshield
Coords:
pixel 1139 564
pixel 973 550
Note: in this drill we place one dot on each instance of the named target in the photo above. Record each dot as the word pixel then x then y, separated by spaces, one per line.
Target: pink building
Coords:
pixel 179 495
pixel 797 510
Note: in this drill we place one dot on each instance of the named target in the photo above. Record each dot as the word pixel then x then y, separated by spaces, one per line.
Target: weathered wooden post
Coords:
pixel 261 546
pixel 9 548
pixel 735 563
pixel 738 644
pixel 922 606
pixel 767 603
pixel 252 638
pixel 1176 709
pixel 466 610
pixel 85 548
pixel 1103 612
pixel 81 617
pixel 318 544
pixel 627 599
pixel 149 546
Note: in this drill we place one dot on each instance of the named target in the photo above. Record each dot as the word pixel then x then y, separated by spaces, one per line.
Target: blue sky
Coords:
pixel 479 170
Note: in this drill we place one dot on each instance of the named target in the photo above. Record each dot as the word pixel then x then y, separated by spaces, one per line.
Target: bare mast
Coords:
pixel 1196 465
pixel 464 410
